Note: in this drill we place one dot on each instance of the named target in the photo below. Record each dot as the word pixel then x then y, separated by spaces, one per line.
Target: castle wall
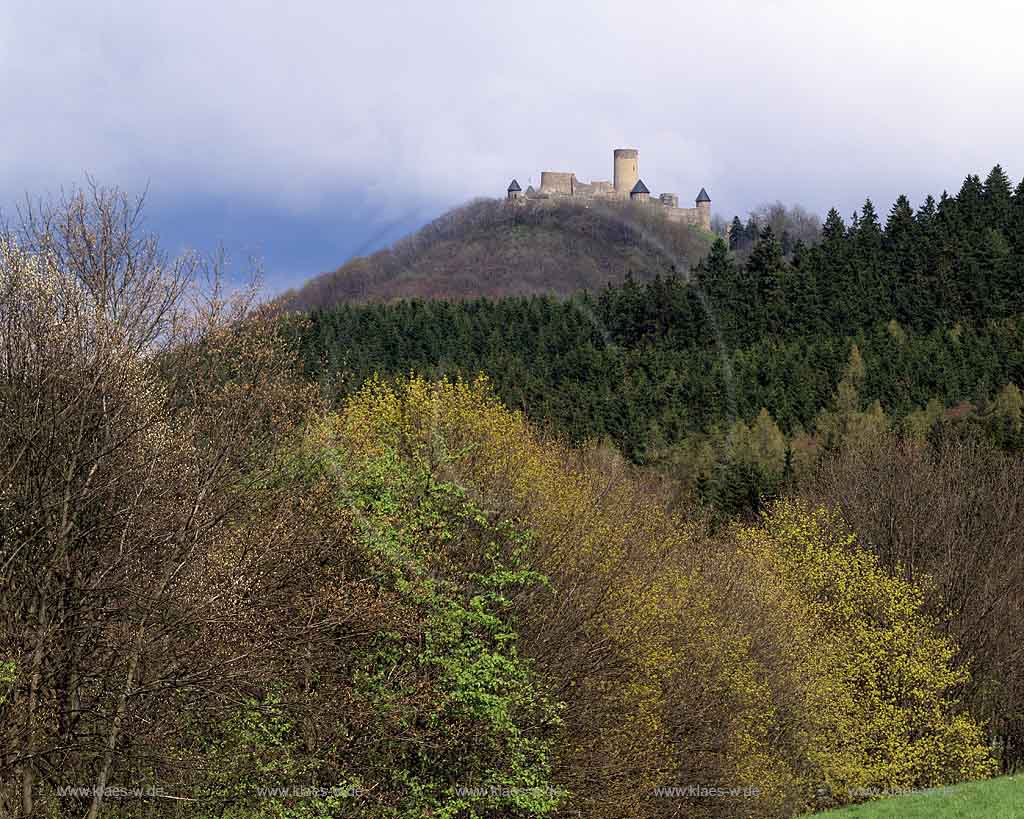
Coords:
pixel 699 217
pixel 557 183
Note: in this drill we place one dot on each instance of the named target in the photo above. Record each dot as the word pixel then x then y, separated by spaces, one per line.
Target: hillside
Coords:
pixel 665 368
pixel 489 249
pixel 601 369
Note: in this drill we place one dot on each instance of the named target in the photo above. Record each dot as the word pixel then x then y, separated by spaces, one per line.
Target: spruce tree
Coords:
pixel 902 260
pixel 1017 221
pixel 834 229
pixel 998 200
pixel 837 278
pixel 736 234
pixel 971 204
pixel 766 271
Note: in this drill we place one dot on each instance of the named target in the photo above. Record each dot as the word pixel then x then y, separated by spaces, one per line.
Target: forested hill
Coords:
pixel 913 323
pixel 490 249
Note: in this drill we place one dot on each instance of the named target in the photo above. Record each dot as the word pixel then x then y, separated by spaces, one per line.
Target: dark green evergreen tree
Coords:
pixel 997 197
pixel 736 233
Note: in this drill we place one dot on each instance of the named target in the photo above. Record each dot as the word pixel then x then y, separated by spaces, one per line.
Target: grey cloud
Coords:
pixel 438 102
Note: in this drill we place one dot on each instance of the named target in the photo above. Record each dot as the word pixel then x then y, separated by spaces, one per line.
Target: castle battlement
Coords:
pixel 626 185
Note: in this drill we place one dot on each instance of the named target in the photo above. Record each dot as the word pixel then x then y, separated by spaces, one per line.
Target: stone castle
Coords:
pixel 626 185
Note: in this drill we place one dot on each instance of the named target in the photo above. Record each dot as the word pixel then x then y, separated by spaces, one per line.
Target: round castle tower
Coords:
pixel 627 171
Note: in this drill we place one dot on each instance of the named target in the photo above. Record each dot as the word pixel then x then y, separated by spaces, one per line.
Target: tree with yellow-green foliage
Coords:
pixel 1009 405
pixel 601 633
pixel 845 423
pixel 893 717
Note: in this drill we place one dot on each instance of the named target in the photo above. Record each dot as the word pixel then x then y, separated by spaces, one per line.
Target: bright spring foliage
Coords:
pixel 779 657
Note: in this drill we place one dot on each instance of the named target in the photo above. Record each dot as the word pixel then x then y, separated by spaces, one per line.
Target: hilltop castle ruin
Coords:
pixel 627 185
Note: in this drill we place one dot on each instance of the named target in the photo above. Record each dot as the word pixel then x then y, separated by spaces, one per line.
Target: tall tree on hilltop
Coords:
pixel 925 215
pixel 927 297
pixel 802 291
pixel 834 229
pixel 997 197
pixel 900 225
pixel 838 281
pixel 945 259
pixel 1017 219
pixel 970 247
pixel 873 292
pixel 720 279
pixel 903 261
pixel 971 204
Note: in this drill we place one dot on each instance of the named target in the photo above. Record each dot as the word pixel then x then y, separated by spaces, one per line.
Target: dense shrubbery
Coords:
pixel 777 657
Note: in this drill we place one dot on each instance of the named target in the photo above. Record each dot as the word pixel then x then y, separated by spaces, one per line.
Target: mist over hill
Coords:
pixel 488 248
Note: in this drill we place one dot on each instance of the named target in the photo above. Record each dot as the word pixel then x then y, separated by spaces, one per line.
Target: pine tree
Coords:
pixel 874 290
pixel 836 278
pixel 802 292
pixel 720 279
pixel 900 224
pixel 971 204
pixel 868 228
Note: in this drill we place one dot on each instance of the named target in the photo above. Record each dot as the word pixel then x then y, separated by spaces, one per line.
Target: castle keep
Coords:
pixel 626 184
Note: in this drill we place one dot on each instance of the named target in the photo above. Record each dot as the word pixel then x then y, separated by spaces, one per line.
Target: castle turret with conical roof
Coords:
pixel 704 209
pixel 640 193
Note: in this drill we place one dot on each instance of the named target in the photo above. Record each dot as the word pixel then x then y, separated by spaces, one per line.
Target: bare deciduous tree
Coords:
pixel 135 409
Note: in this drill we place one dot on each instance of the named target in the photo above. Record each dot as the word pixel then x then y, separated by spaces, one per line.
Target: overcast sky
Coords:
pixel 309 131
